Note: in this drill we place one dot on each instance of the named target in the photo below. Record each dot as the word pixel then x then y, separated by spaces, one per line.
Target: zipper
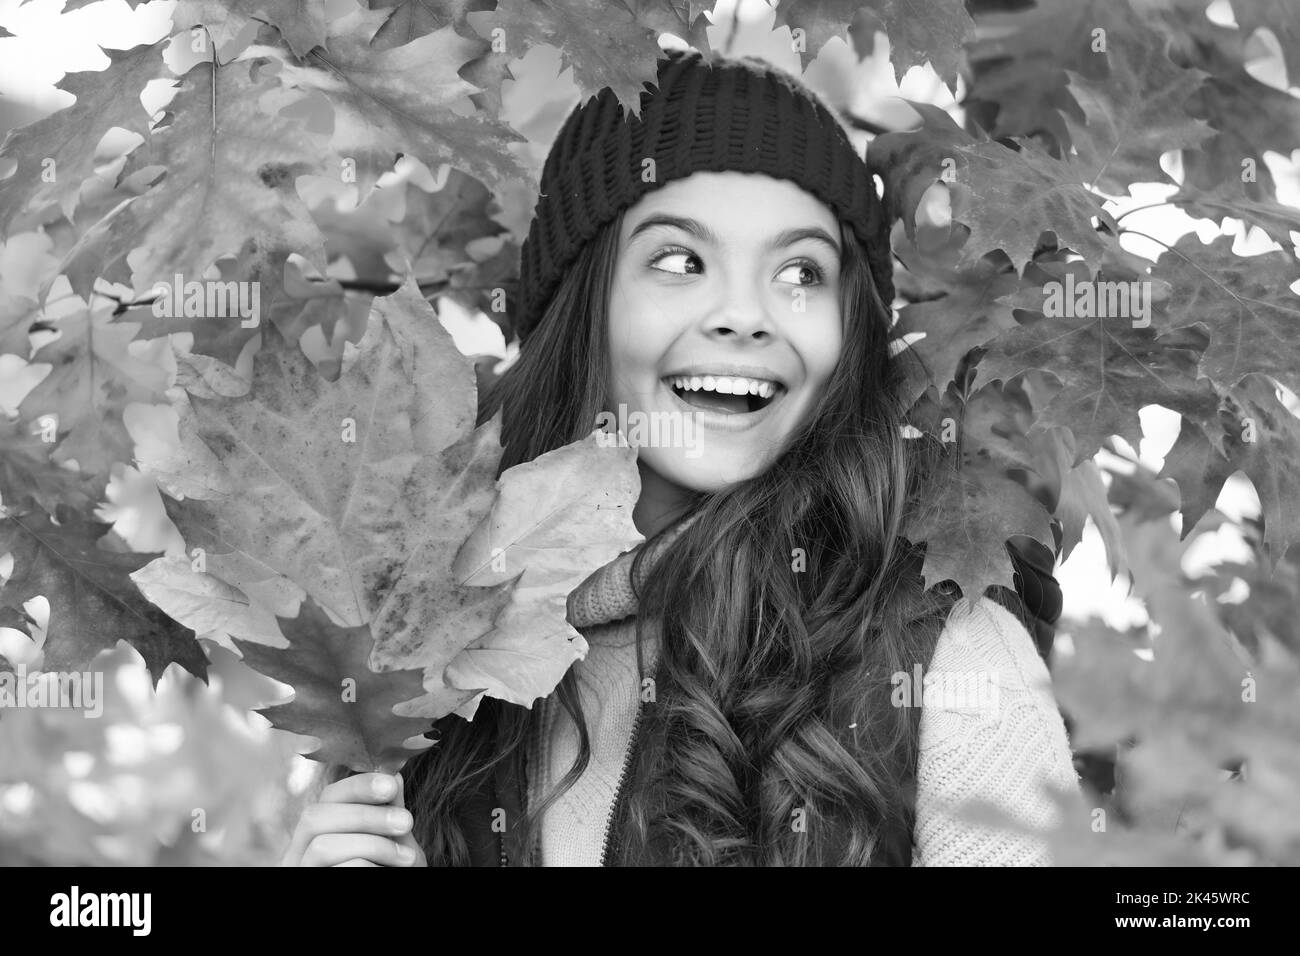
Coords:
pixel 619 790
pixel 613 843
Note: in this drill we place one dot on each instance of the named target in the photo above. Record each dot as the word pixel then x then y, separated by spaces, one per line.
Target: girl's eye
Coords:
pixel 673 252
pixel 809 273
pixel 808 267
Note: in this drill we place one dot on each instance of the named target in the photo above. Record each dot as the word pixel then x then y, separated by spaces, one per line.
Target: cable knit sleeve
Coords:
pixel 990 730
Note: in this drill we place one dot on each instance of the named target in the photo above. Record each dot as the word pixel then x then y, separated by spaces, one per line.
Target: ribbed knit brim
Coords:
pixel 707 113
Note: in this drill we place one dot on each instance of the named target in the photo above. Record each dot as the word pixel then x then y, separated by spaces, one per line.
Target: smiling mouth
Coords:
pixel 730 395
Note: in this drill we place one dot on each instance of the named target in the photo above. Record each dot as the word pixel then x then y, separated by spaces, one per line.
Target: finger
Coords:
pixel 332 848
pixel 362 788
pixel 408 839
pixel 321 818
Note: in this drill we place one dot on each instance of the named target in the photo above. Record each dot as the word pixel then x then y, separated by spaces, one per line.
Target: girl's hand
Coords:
pixel 361 820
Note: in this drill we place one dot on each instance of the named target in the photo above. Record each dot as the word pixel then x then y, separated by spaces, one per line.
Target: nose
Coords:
pixel 744 312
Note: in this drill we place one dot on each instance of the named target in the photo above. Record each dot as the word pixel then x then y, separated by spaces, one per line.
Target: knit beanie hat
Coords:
pixel 708 113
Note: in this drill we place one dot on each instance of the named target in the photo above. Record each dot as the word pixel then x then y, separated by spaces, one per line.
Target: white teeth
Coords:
pixel 725 385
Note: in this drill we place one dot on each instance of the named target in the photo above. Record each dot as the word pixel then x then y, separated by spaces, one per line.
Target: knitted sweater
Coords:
pixel 1002 741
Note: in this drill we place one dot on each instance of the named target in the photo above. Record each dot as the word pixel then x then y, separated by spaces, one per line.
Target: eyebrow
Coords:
pixel 785 237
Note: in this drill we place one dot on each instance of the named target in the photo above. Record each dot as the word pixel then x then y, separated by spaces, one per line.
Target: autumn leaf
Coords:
pixel 26 469
pixel 411 19
pixel 604 43
pixel 929 31
pixel 405 100
pixel 1231 200
pixel 302 23
pixel 1250 118
pixel 358 490
pixel 1008 198
pixel 1134 115
pixel 1081 494
pixel 1261 437
pixel 555 520
pixel 962 308
pixel 57 154
pixel 1110 367
pixel 1245 303
pixel 205 603
pixel 1283 19
pixel 94 376
pixel 972 515
pixel 229 168
pixel 93 602
pixel 1019 59
pixel 336 696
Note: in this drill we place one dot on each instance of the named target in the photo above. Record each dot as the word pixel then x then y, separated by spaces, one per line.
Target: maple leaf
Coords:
pixel 208 605
pixel 1276 219
pixel 411 19
pixel 1019 86
pixel 94 377
pixel 229 168
pixel 962 307
pixel 966 525
pixel 929 31
pixel 556 519
pixel 1245 303
pixel 405 100
pixel 605 44
pixel 1080 494
pixel 1109 370
pixel 1251 118
pixel 26 470
pixel 1007 197
pixel 438 227
pixel 302 23
pixel 336 697
pixel 1258 436
pixel 57 154
pixel 1280 16
pixel 93 603
pixel 1134 115
pixel 366 525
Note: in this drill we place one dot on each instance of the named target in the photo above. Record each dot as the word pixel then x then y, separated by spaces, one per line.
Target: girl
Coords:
pixel 749 696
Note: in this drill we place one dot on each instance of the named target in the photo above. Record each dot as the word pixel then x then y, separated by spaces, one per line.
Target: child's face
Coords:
pixel 743 288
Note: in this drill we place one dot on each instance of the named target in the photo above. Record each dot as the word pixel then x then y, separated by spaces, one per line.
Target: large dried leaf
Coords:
pixel 556 519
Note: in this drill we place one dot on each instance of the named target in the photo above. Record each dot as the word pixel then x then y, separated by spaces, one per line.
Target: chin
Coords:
pixel 709 472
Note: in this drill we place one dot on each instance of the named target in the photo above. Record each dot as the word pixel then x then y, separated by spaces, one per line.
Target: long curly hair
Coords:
pixel 783 609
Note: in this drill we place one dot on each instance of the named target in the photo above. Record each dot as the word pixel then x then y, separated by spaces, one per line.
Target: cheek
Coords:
pixel 630 348
pixel 819 342
pixel 641 328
